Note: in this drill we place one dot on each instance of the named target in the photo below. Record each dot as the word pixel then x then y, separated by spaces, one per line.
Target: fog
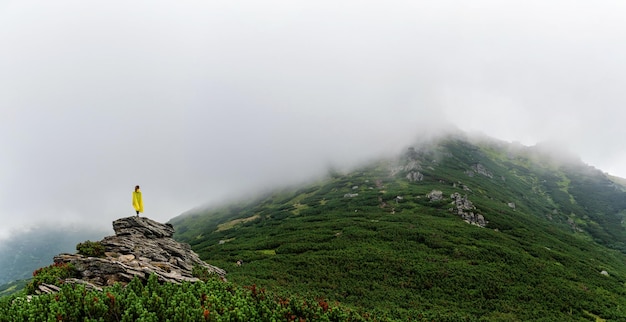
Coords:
pixel 202 101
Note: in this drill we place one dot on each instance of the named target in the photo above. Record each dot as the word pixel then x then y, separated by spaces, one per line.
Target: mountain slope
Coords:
pixel 24 252
pixel 393 237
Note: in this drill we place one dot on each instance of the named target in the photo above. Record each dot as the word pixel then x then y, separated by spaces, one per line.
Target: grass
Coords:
pixel 231 224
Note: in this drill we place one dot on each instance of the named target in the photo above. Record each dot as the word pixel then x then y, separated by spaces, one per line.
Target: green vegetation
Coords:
pixel 212 300
pixel 15 287
pixel 371 239
pixel 370 245
pixel 91 249
pixel 52 274
pixel 201 273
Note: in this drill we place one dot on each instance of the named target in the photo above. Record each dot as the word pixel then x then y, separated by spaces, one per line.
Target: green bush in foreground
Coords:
pixel 52 274
pixel 202 273
pixel 212 300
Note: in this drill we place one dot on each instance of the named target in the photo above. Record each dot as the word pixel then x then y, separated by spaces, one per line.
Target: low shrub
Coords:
pixel 53 274
pixel 213 300
pixel 91 249
pixel 201 273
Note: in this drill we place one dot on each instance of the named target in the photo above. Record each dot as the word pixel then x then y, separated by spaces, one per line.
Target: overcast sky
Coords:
pixel 200 101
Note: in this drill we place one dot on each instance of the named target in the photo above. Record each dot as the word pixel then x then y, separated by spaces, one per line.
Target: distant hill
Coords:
pixel 25 252
pixel 11 288
pixel 453 228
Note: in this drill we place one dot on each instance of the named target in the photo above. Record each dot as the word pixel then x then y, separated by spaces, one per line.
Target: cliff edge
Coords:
pixel 139 248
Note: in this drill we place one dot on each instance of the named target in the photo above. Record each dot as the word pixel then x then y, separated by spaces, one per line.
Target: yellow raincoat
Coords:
pixel 137 201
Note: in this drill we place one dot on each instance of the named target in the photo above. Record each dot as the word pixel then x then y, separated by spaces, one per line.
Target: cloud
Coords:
pixel 201 101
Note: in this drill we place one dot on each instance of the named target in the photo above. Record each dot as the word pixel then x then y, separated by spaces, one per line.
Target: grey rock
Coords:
pixel 435 195
pixel 88 285
pixel 464 208
pixel 413 165
pixel 47 288
pixel 480 169
pixel 415 176
pixel 143 226
pixel 140 247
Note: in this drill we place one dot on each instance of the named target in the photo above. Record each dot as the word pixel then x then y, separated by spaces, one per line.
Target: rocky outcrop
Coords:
pixel 461 185
pixel 480 169
pixel 435 195
pixel 465 209
pixel 415 176
pixel 411 166
pixel 573 225
pixel 140 247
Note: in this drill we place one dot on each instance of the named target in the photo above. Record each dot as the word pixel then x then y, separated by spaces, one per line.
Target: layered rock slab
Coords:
pixel 139 248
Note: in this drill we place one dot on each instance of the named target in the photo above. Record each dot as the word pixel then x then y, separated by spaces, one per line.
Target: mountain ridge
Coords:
pixel 387 236
pixel 24 252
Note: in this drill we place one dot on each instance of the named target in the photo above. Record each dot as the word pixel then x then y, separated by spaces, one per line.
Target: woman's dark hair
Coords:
pixel 136 188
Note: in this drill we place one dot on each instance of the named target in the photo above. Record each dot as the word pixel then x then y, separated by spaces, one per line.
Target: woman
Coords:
pixel 137 201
